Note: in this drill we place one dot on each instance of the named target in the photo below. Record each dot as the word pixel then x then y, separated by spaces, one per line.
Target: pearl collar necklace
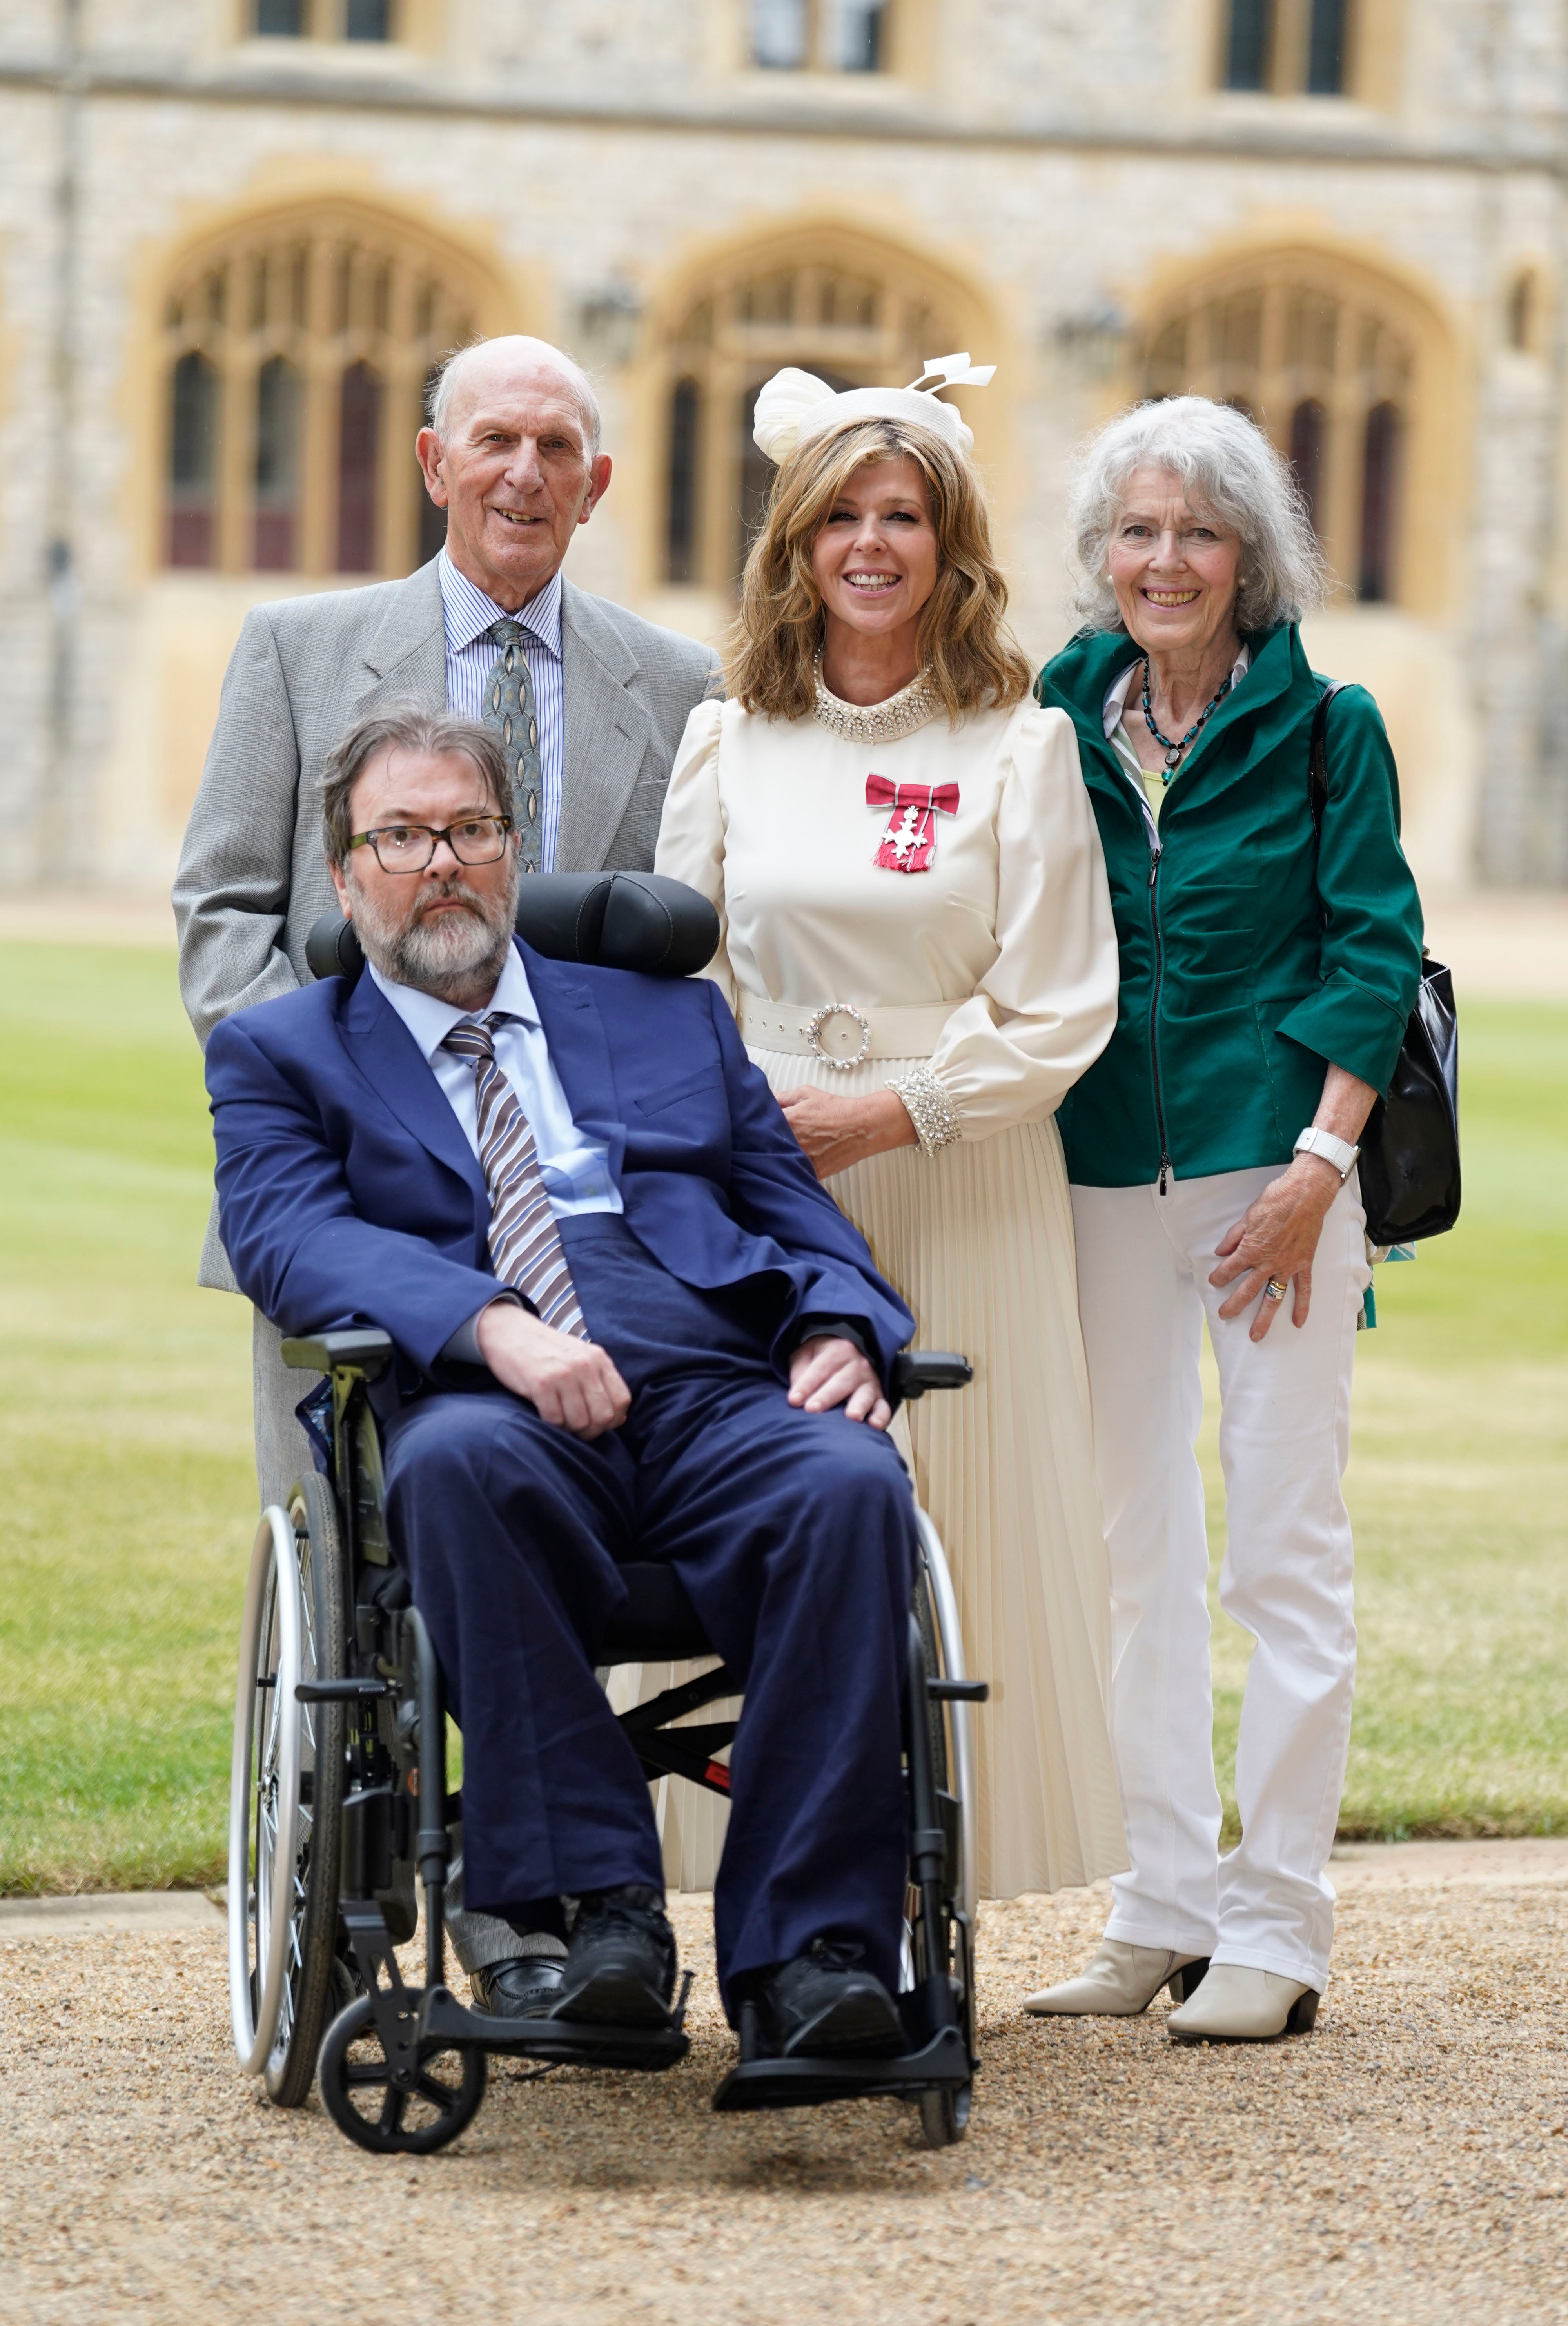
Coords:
pixel 876 722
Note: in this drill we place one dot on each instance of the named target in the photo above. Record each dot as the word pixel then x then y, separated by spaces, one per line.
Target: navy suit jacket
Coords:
pixel 347 1194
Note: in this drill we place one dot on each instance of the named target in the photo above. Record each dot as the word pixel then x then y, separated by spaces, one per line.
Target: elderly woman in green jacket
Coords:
pixel 1266 977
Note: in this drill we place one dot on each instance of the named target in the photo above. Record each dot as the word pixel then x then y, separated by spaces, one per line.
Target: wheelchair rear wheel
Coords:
pixel 945 2113
pixel 286 1797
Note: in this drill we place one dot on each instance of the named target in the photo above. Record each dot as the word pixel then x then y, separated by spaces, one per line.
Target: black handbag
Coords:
pixel 1409 1169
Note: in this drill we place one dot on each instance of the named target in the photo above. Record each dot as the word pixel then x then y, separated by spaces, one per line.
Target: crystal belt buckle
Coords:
pixel 814 1035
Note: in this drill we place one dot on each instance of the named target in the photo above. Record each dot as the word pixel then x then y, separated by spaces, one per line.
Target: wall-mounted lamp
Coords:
pixel 1090 343
pixel 608 322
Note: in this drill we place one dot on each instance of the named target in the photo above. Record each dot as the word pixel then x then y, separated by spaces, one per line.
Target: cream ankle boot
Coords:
pixel 1121 1981
pixel 1236 2005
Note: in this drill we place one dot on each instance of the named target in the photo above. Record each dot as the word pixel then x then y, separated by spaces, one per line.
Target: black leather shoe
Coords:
pixel 620 1965
pixel 826 2005
pixel 529 1986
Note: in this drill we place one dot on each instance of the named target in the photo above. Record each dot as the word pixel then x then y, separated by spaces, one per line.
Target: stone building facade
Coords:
pixel 234 234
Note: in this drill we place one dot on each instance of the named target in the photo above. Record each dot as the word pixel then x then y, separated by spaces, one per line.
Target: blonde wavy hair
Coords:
pixel 973 661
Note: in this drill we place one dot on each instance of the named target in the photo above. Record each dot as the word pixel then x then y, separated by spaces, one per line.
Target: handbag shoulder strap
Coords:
pixel 1318 754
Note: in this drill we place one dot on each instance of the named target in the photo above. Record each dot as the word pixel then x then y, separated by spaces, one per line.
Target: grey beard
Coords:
pixel 442 956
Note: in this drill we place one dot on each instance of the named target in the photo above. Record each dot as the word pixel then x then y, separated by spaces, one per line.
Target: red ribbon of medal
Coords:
pixel 909 841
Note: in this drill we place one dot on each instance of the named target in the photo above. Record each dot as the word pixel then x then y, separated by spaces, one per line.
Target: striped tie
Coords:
pixel 524 1244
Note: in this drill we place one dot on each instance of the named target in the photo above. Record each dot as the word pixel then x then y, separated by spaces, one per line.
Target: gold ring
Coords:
pixel 1275 1290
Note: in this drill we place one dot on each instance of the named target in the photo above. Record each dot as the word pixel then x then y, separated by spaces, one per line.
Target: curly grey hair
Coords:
pixel 1228 465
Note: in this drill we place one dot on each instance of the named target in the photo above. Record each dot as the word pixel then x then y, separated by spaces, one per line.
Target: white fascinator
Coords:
pixel 795 406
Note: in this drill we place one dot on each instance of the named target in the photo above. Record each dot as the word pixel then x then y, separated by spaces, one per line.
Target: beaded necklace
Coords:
pixel 1174 750
pixel 875 722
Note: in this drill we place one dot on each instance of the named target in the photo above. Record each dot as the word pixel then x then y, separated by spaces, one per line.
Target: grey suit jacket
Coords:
pixel 252 877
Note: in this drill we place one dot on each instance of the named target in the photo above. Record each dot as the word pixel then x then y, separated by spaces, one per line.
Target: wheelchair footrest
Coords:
pixel 562 2043
pixel 941 2065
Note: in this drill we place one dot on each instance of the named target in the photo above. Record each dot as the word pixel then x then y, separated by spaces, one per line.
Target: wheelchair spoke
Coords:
pixel 359 2073
pixel 440 2096
pixel 391 2116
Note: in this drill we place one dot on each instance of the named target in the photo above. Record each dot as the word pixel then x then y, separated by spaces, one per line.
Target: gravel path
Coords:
pixel 1408 2162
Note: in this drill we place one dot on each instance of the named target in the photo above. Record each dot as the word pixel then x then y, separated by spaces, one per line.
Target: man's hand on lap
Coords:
pixel 827 1372
pixel 570 1382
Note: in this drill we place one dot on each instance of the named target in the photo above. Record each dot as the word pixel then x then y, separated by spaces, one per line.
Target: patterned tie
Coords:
pixel 509 707
pixel 524 1245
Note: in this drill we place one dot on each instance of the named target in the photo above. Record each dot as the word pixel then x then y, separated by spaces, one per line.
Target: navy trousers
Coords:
pixel 794 1536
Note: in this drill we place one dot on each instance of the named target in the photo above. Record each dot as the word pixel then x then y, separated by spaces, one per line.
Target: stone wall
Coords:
pixel 1065 159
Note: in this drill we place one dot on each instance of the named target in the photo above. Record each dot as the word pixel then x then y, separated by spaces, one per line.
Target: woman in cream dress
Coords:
pixel 975 941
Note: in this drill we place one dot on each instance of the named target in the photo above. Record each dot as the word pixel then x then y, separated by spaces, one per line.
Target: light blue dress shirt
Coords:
pixel 470 657
pixel 575 1168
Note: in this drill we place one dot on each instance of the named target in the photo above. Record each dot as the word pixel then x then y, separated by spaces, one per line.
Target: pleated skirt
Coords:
pixel 979 1242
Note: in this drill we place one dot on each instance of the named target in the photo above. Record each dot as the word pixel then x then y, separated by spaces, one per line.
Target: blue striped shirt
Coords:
pixel 467 615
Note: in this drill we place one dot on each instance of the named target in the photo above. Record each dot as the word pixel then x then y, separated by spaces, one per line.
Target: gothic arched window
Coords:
pixel 854 317
pixel 297 353
pixel 1330 381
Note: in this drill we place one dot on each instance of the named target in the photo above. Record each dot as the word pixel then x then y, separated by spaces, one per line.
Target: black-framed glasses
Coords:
pixel 409 847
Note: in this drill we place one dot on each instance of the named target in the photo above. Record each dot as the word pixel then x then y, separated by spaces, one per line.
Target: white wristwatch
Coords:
pixel 1337 1151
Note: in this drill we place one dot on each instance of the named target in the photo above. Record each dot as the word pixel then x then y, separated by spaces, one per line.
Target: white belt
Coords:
pixel 844 1034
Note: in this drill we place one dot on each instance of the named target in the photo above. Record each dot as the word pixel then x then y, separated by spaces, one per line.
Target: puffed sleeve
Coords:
pixel 1047 1006
pixel 691 833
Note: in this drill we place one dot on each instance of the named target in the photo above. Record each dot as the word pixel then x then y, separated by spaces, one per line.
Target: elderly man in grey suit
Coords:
pixel 590 702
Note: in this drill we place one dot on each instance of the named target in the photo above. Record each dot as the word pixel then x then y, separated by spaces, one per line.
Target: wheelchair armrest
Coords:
pixel 917 1370
pixel 367 1351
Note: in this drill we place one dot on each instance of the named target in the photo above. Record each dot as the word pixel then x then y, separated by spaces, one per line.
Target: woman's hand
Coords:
pixel 1277 1238
pixel 835 1133
pixel 1279 1232
pixel 827 1372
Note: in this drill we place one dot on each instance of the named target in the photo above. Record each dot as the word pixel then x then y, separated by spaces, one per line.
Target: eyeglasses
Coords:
pixel 409 847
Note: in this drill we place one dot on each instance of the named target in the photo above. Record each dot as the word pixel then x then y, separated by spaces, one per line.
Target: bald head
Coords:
pixel 512 456
pixel 491 366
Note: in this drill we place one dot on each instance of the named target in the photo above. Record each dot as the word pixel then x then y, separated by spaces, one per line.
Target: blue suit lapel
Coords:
pixel 388 1056
pixel 579 1050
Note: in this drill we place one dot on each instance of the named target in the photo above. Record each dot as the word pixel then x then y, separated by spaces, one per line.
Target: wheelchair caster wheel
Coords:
pixel 390 2120
pixel 944 2118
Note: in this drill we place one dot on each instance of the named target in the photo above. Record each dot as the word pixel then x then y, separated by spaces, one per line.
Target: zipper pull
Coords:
pixel 1154 855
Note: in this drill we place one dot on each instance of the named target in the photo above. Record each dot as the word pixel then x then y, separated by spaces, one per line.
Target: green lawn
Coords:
pixel 125 1412
pixel 1457 1478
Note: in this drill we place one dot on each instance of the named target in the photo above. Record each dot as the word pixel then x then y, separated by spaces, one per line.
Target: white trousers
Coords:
pixel 1144 1262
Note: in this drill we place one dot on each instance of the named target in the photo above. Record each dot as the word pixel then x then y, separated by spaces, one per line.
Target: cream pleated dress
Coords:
pixel 990 978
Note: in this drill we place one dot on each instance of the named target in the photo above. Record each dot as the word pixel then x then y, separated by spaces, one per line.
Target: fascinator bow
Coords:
pixel 795 406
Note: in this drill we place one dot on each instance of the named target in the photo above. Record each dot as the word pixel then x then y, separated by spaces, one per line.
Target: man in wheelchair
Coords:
pixel 628 1323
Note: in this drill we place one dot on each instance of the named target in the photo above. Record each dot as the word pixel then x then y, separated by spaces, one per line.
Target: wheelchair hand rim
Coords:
pixel 254 2031
pixel 950 1639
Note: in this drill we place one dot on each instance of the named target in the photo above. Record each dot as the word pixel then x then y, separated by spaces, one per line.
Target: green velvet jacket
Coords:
pixel 1251 956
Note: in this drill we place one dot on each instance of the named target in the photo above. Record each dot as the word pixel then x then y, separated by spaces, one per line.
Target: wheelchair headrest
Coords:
pixel 609 920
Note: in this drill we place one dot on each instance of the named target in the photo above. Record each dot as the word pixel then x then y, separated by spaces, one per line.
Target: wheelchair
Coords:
pixel 339 1802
